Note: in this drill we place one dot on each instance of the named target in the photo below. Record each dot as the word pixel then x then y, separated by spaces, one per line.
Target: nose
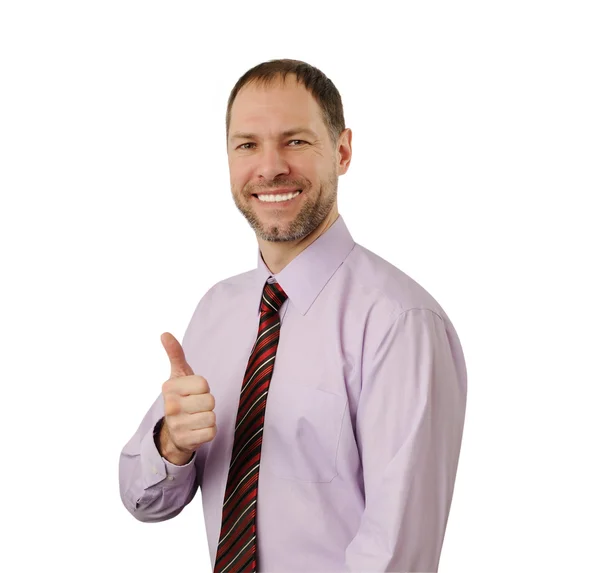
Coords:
pixel 272 164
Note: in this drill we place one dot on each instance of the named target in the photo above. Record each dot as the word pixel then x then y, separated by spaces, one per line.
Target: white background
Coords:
pixel 475 171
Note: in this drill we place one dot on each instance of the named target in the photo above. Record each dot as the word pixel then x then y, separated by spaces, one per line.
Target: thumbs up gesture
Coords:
pixel 189 407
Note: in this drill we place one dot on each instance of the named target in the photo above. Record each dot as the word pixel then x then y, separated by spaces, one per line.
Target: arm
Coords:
pixel 152 488
pixel 409 426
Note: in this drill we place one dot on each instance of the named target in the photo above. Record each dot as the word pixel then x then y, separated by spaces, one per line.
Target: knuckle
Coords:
pixel 202 384
pixel 202 437
pixel 211 418
pixel 210 402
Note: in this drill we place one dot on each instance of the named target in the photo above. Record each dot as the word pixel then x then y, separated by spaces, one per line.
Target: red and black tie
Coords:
pixel 236 552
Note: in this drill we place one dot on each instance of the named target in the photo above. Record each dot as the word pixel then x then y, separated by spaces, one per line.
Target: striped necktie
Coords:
pixel 236 552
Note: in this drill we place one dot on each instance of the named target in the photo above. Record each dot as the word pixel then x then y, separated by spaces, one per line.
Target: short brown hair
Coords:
pixel 313 79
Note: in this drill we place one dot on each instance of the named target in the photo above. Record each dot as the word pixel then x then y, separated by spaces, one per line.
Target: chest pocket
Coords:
pixel 302 432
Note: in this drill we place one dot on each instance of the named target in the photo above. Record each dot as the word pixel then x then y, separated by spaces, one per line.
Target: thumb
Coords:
pixel 179 366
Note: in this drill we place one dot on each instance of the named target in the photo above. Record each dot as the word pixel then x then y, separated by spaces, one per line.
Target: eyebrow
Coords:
pixel 286 133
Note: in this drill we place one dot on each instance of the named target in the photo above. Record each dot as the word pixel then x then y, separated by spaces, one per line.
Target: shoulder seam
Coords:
pixel 405 310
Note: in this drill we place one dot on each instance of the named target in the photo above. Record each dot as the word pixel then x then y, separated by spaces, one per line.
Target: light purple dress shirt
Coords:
pixel 363 424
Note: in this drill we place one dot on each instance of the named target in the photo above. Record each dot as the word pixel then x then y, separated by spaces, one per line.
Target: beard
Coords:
pixel 315 208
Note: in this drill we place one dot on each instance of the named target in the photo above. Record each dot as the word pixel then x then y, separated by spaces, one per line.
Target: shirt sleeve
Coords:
pixel 409 426
pixel 152 488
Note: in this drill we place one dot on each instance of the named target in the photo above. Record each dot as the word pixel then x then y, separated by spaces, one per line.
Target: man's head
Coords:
pixel 285 131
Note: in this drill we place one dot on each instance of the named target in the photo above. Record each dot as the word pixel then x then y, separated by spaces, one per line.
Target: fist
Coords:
pixel 189 407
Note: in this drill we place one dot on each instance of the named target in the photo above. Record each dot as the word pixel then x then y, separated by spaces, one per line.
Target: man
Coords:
pixel 335 446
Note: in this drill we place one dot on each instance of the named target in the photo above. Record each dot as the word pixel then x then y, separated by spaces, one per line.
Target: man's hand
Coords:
pixel 189 408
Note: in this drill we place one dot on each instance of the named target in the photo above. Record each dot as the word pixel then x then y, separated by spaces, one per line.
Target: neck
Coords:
pixel 277 255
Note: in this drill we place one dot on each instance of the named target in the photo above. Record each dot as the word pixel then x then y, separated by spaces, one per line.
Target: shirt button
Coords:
pixel 171 477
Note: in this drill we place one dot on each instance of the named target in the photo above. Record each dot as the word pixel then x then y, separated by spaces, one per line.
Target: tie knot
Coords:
pixel 273 297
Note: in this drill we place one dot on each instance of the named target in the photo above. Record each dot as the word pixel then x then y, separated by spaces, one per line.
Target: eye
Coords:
pixel 299 140
pixel 242 146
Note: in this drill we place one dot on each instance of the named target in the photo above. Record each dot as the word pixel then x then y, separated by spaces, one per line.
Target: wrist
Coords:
pixel 167 448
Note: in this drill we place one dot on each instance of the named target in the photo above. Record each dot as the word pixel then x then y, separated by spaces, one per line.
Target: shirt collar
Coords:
pixel 308 273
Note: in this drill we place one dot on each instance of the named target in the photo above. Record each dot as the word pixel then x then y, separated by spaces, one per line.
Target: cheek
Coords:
pixel 305 169
pixel 239 177
pixel 314 167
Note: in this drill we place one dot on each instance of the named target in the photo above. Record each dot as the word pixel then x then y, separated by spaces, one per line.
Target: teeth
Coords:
pixel 278 198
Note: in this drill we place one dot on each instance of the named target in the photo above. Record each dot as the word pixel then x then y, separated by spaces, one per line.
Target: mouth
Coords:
pixel 290 198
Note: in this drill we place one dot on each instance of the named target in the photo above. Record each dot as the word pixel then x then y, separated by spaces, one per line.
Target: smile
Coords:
pixel 280 198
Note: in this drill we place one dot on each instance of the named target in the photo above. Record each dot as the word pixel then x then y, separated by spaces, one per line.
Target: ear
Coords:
pixel 344 151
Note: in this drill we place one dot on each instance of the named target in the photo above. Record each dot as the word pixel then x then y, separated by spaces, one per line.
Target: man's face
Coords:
pixel 278 140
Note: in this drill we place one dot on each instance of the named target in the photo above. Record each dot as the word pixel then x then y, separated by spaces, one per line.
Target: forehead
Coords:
pixel 265 107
